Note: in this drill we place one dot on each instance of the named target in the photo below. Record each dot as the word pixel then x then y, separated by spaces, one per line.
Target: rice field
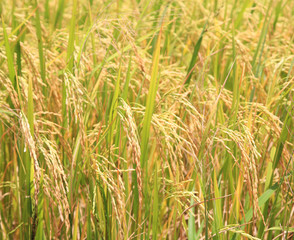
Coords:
pixel 147 119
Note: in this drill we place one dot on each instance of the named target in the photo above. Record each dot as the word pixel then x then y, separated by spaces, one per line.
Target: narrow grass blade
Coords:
pixel 218 219
pixel 71 40
pixel 194 57
pixel 155 205
pixel 59 14
pixel 191 221
pixel 40 47
pixel 154 81
pixel 76 221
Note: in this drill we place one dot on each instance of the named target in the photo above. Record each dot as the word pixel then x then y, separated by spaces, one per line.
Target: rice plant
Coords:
pixel 147 119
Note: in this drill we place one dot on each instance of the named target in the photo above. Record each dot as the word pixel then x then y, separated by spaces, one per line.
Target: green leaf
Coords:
pixel 194 57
